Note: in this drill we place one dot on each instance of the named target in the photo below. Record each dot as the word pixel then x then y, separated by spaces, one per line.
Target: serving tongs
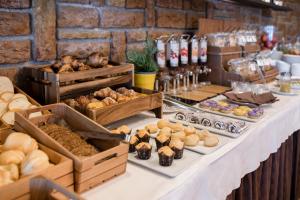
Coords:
pixel 100 135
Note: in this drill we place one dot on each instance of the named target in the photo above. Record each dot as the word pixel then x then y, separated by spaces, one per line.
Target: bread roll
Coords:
pixel 20 141
pixel 162 123
pixel 35 114
pixel 19 95
pixel 19 104
pixel 211 141
pixel 6 96
pixel 12 169
pixel 9 117
pixel 11 157
pixel 191 140
pixel 3 108
pixel 5 178
pixel 34 162
pixel 6 85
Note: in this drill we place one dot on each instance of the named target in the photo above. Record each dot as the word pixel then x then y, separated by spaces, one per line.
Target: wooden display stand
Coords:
pixel 89 171
pixel 61 172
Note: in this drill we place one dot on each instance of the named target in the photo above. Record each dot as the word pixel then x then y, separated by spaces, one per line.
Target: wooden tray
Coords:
pixel 195 95
pixel 62 173
pixel 48 87
pixel 216 89
pixel 89 171
pixel 152 101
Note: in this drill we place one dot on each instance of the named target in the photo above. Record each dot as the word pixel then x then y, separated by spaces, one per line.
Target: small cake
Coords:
pixel 162 140
pixel 143 150
pixel 239 112
pixel 223 104
pixel 211 141
pixel 225 110
pixel 151 128
pixel 180 116
pixel 220 125
pixel 246 108
pixel 205 122
pixel 132 143
pixel 234 127
pixel 162 123
pixel 255 113
pixel 166 131
pixel 124 129
pixel 176 127
pixel 177 146
pixel 202 134
pixel 194 119
pixel 180 135
pixel 143 135
pixel 166 156
pixel 189 130
pixel 191 140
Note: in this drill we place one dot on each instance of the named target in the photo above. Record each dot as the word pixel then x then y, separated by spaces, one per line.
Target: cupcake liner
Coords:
pixel 165 160
pixel 178 153
pixel 144 154
pixel 160 145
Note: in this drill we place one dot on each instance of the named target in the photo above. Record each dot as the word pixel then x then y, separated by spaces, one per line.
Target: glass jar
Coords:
pixel 285 82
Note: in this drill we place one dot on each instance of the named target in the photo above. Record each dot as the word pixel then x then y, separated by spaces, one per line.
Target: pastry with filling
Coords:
pixel 143 135
pixel 220 125
pixel 177 146
pixel 151 128
pixel 176 127
pixel 180 135
pixel 205 122
pixel 143 150
pixel 180 116
pixel 166 156
pixel 103 92
pixel 162 140
pixel 202 134
pixel 211 141
pixel 191 140
pixel 165 131
pixel 109 101
pixel 162 123
pixel 189 130
pixel 132 143
pixel 96 105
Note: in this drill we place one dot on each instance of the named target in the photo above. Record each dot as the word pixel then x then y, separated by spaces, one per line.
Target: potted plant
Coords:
pixel 145 65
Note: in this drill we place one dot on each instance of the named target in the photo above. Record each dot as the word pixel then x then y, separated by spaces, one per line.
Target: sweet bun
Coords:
pixel 162 123
pixel 34 162
pixel 5 177
pixel 176 127
pixel 6 96
pixel 12 169
pixel 9 117
pixel 202 134
pixel 211 141
pixel 20 141
pixel 6 85
pixel 189 130
pixel 191 140
pixel 180 135
pixel 19 104
pixel 19 95
pixel 11 157
pixel 35 114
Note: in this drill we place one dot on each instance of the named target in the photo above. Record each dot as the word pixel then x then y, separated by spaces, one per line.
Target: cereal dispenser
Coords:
pixel 161 51
pixel 184 49
pixel 174 51
pixel 194 49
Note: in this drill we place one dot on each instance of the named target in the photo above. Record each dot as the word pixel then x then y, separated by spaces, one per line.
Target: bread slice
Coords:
pixel 35 114
pixel 6 96
pixel 9 118
pixel 19 104
pixel 6 85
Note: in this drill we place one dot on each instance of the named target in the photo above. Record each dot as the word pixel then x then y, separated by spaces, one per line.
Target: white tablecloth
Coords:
pixel 215 175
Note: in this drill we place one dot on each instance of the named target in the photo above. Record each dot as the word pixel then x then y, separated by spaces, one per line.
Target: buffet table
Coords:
pixel 216 175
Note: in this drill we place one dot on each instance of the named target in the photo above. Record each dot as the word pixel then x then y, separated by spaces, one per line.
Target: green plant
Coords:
pixel 144 60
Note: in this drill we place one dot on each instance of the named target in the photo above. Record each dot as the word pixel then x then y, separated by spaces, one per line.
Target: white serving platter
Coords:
pixel 178 166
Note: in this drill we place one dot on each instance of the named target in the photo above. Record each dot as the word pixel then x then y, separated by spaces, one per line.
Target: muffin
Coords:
pixel 143 135
pixel 166 156
pixel 124 129
pixel 177 146
pixel 162 140
pixel 132 143
pixel 151 128
pixel 143 150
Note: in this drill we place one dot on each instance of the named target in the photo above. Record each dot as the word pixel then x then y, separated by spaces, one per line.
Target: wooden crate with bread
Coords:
pixel 98 154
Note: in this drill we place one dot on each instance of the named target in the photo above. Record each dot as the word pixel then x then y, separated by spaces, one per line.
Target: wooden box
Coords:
pixel 88 171
pixel 61 172
pixel 48 87
pixel 151 101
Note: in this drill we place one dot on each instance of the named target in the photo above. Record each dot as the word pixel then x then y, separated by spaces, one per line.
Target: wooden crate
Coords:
pixel 48 87
pixel 62 172
pixel 89 171
pixel 151 101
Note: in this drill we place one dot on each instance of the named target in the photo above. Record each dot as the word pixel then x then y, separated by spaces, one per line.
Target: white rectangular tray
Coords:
pixel 178 166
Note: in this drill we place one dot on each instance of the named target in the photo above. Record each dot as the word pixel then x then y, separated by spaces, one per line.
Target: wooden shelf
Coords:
pixel 259 4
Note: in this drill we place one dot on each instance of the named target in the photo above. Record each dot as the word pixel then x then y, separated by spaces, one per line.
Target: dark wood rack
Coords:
pixel 258 4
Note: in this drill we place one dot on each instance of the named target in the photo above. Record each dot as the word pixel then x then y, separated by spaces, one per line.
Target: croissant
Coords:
pixel 109 101
pixel 67 59
pixel 103 92
pixel 66 68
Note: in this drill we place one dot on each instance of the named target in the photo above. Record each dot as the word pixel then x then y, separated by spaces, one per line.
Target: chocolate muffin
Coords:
pixel 166 156
pixel 132 143
pixel 162 140
pixel 177 146
pixel 143 135
pixel 143 150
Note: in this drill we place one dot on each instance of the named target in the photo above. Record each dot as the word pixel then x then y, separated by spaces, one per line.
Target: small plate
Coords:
pixel 276 90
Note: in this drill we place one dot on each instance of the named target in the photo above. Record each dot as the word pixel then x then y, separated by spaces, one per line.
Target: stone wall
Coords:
pixel 39 31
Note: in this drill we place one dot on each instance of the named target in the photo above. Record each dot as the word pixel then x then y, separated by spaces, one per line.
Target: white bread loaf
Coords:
pixel 11 157
pixel 20 141
pixel 9 117
pixel 6 85
pixel 5 178
pixel 34 162
pixel 6 96
pixel 12 169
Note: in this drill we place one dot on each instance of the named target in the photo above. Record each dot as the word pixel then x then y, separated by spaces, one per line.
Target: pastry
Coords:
pixel 124 129
pixel 240 112
pixel 211 141
pixel 132 143
pixel 143 135
pixel 162 140
pixel 162 123
pixel 165 131
pixel 255 113
pixel 66 68
pixel 177 146
pixel 20 141
pixel 11 157
pixel 180 116
pixel 226 110
pixel 180 135
pixel 194 119
pixel 189 130
pixel 191 140
pixel 205 122
pixel 166 156
pixel 35 161
pixel 6 85
pixel 223 104
pixel 96 105
pixel 176 127
pixel 234 127
pixel 109 101
pixel 9 117
pixel 202 134
pixel 6 96
pixel 12 169
pixel 208 104
pixel 151 128
pixel 122 98
pixel 246 108
pixel 143 150
pixel 220 125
